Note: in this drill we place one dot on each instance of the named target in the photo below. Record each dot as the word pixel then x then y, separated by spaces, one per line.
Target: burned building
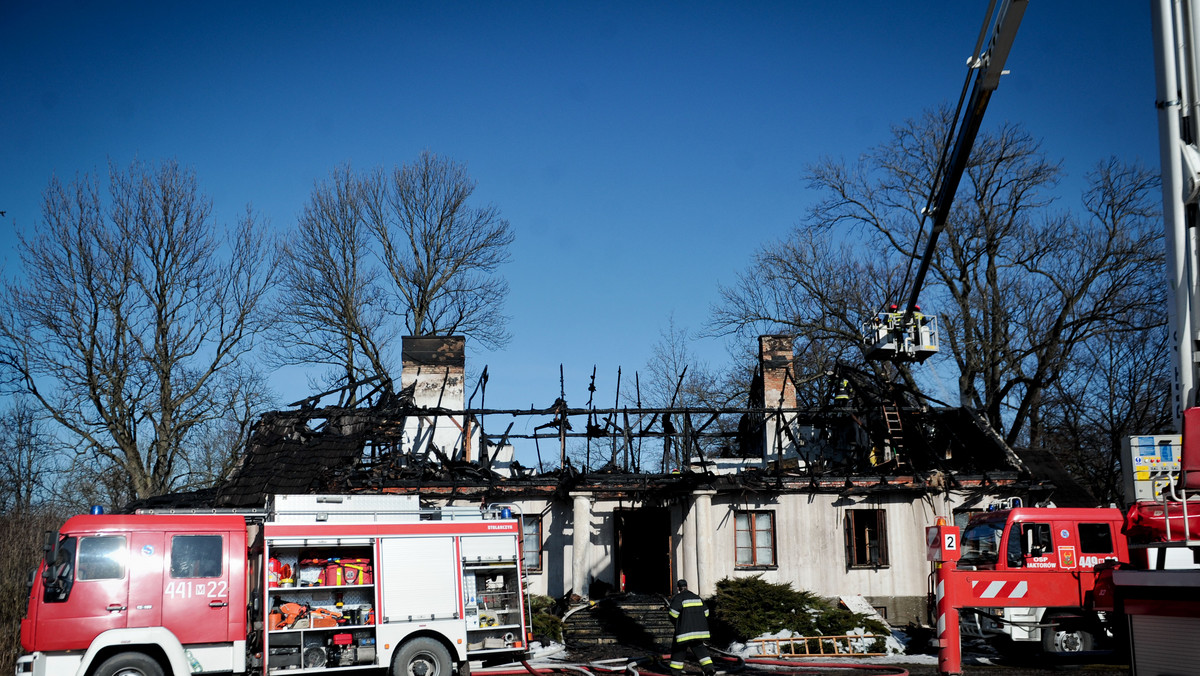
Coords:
pixel 833 500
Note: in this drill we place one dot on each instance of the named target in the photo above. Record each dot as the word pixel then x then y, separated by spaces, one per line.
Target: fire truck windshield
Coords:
pixel 981 543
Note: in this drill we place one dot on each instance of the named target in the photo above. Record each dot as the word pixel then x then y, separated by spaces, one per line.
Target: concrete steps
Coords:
pixel 640 621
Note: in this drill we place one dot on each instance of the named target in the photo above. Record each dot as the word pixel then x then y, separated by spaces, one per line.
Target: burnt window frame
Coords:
pixel 752 521
pixel 525 551
pixel 852 541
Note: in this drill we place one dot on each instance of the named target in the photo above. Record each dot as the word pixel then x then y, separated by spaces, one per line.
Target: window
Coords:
pixel 195 556
pixel 866 538
pixel 1095 538
pixel 981 543
pixel 754 539
pixel 102 557
pixel 531 543
pixel 1035 539
pixel 60 573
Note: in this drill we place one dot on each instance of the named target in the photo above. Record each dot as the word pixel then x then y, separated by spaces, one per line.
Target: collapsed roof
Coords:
pixel 373 439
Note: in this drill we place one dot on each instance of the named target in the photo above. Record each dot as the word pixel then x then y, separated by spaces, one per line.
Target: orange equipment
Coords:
pixel 290 613
pixel 321 618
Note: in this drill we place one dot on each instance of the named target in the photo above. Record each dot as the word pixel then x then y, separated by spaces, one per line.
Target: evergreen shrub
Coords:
pixel 542 620
pixel 746 607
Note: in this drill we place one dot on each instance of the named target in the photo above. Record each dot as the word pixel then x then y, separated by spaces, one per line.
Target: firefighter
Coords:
pixel 691 629
pixel 841 393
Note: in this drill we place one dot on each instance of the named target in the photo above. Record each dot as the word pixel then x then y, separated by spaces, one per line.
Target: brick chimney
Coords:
pixel 775 356
pixel 436 366
pixel 779 391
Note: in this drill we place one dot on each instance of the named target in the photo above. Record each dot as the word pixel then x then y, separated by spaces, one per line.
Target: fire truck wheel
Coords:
pixel 130 664
pixel 422 657
pixel 1070 636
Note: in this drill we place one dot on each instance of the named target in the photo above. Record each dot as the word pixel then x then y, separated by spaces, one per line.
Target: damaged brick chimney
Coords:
pixel 436 366
pixel 779 385
pixel 775 355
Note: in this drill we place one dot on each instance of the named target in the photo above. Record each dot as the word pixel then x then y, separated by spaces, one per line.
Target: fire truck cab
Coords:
pixel 1048 554
pixel 311 583
pixel 117 580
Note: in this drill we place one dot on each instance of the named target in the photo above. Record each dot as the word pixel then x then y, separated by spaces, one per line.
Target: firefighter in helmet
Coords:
pixel 691 629
pixel 841 393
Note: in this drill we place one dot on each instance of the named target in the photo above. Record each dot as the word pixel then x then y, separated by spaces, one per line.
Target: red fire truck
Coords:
pixel 309 584
pixel 1044 557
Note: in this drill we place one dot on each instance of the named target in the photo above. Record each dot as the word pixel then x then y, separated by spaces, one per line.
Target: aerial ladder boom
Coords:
pixel 1178 89
pixel 908 335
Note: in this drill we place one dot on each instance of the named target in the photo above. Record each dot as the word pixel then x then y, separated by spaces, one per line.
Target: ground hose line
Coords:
pixel 630 666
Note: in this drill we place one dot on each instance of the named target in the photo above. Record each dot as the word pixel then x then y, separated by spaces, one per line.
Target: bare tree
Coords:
pixel 1084 280
pixel 818 289
pixel 674 377
pixel 31 458
pixel 130 316
pixel 22 537
pixel 1118 385
pixel 221 440
pixel 332 308
pixel 1017 287
pixel 440 253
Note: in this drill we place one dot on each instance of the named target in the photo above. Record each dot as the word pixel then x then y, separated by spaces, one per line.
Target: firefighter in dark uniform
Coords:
pixel 841 393
pixel 691 629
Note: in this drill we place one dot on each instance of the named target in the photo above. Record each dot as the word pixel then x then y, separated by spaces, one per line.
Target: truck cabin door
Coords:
pixel 86 592
pixel 145 578
pixel 1096 545
pixel 196 594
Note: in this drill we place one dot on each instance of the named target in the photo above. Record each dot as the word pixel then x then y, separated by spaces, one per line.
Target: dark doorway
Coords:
pixel 644 550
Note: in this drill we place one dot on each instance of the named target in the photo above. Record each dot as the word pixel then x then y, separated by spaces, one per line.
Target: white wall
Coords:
pixel 810 543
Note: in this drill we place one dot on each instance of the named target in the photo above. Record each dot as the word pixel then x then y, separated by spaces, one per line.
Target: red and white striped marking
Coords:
pixel 939 593
pixel 999 590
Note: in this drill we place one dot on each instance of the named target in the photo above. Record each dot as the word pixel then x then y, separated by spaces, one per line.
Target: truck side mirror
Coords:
pixel 49 556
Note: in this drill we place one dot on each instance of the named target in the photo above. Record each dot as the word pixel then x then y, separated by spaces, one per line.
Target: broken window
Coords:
pixel 755 538
pixel 531 543
pixel 866 538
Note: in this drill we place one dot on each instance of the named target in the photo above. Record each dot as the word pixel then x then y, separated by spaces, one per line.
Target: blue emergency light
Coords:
pixel 96 509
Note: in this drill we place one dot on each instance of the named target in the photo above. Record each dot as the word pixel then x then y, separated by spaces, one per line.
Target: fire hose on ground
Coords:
pixel 632 667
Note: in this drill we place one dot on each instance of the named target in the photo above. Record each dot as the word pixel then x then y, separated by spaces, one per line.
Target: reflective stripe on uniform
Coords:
pixel 706 661
pixel 691 636
pixel 693 603
pixel 673 613
pixel 677 665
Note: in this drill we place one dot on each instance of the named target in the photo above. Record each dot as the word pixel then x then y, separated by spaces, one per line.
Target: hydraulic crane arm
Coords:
pixel 907 335
pixel 990 67
pixel 1178 103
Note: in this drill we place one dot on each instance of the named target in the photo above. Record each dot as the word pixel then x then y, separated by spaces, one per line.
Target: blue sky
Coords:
pixel 641 151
